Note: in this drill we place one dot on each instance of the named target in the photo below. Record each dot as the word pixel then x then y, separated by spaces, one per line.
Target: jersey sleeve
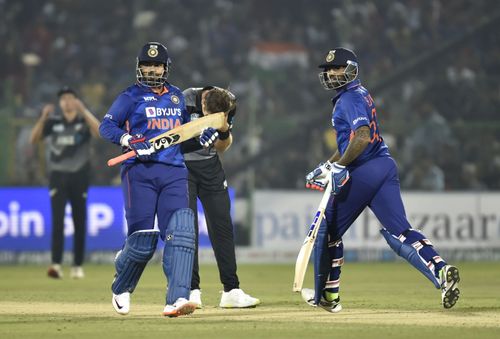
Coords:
pixel 190 145
pixel 355 112
pixel 112 126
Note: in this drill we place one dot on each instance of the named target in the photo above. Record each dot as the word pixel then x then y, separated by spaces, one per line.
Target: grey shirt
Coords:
pixel 193 104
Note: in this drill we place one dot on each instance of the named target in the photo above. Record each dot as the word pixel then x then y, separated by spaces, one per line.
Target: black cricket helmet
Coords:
pixel 153 53
pixel 337 58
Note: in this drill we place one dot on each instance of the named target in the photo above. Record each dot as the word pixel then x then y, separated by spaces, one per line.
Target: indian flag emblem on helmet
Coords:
pixel 175 99
pixel 330 56
pixel 153 51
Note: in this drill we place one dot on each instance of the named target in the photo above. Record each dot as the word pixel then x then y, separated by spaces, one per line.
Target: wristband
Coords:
pixel 224 135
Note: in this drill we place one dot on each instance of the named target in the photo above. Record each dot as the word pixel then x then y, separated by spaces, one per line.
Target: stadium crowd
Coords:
pixel 439 118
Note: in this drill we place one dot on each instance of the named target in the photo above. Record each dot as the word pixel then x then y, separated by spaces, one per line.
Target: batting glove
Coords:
pixel 340 176
pixel 319 177
pixel 143 149
pixel 208 137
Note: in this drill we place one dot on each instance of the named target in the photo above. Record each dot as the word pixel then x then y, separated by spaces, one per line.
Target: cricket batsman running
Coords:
pixel 154 183
pixel 363 174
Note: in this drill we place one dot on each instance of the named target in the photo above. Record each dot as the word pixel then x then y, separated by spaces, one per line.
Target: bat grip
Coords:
pixel 121 158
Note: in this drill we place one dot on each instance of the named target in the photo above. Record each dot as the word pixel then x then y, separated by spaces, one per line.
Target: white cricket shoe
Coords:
pixel 195 297
pixel 329 306
pixel 449 278
pixel 77 272
pixel 236 298
pixel 121 303
pixel 181 307
pixel 55 271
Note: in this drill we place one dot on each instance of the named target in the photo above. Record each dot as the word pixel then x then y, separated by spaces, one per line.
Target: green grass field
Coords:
pixel 380 300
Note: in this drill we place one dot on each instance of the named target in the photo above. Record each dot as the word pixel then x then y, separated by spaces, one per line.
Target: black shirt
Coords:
pixel 68 144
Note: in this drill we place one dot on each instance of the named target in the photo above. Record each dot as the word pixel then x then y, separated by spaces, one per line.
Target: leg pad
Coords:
pixel 409 252
pixel 322 261
pixel 178 254
pixel 132 259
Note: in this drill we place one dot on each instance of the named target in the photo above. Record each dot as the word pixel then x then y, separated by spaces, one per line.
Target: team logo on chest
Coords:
pixel 175 99
pixel 58 128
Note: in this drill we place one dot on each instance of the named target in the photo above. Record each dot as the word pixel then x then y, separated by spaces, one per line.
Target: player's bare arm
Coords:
pixel 223 145
pixel 37 132
pixel 335 157
pixel 356 146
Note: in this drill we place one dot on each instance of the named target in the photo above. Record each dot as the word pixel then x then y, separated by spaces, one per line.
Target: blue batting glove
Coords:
pixel 208 137
pixel 340 176
pixel 319 177
pixel 142 148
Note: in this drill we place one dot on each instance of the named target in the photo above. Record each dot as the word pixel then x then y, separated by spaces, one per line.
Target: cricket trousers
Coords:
pixel 152 190
pixel 69 187
pixel 208 183
pixel 374 184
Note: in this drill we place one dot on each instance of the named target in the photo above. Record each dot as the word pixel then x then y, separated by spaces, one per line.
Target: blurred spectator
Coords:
pixel 49 42
pixel 424 174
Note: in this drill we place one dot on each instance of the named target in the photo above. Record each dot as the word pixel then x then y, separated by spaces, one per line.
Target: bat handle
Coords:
pixel 121 158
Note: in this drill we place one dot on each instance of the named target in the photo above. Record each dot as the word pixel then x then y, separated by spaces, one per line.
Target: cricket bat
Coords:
pixel 307 246
pixel 177 135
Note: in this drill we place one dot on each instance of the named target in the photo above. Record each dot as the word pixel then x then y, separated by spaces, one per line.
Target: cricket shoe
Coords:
pixel 195 297
pixel 449 278
pixel 236 298
pixel 77 272
pixel 330 306
pixel 55 271
pixel 121 303
pixel 181 307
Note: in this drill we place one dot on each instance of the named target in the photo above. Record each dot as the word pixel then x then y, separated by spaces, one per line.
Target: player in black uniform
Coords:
pixel 207 181
pixel 68 168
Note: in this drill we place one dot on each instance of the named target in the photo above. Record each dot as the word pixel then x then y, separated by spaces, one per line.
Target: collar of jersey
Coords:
pixel 349 86
pixel 149 90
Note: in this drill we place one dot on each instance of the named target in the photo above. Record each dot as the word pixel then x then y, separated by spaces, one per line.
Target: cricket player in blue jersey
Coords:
pixel 154 183
pixel 363 174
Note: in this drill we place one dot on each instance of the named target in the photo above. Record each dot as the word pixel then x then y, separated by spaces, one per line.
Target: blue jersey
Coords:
pixel 138 110
pixel 353 107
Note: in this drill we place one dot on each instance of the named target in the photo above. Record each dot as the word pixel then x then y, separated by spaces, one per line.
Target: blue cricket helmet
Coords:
pixel 336 58
pixel 153 52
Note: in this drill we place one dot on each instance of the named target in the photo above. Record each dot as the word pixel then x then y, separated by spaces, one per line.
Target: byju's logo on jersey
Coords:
pixel 153 112
pixel 151 98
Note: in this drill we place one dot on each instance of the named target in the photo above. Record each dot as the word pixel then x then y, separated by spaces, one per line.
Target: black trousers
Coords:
pixel 72 187
pixel 207 182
